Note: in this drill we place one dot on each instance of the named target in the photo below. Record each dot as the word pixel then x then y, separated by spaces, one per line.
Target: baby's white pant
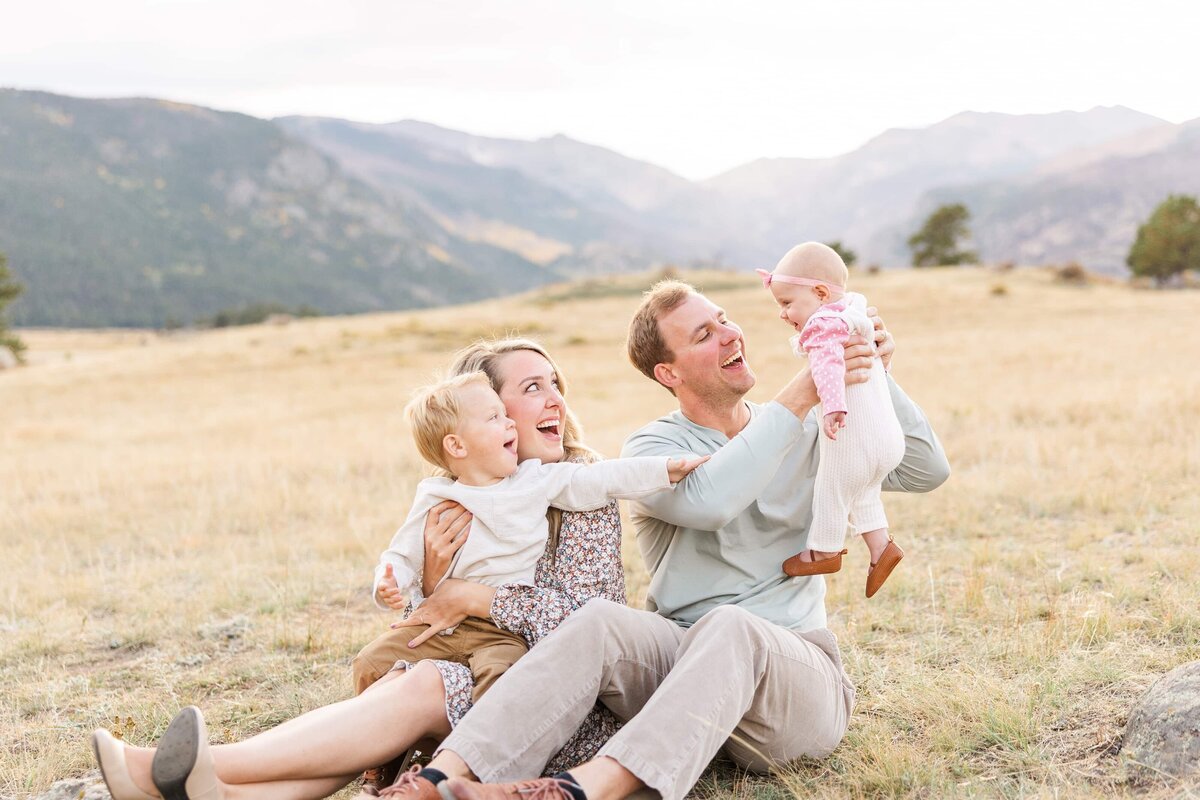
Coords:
pixel 852 467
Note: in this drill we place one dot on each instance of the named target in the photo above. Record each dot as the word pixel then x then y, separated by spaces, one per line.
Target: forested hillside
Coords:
pixel 140 212
pixel 148 212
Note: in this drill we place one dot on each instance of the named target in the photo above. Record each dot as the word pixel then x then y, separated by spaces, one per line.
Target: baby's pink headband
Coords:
pixel 769 277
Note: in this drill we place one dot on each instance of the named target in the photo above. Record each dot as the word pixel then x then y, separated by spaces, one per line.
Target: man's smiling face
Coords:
pixel 709 351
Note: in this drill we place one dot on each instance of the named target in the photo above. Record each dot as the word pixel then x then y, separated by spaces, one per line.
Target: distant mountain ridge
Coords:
pixel 137 212
pixel 1087 209
pixel 869 197
pixel 586 172
pixel 515 195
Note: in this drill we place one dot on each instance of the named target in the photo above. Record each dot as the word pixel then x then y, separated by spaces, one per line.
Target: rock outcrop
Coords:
pixel 87 787
pixel 1162 737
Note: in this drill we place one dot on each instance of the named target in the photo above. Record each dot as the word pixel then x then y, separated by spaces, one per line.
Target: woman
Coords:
pixel 321 751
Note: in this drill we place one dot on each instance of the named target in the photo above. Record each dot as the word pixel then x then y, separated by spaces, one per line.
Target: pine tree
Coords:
pixel 937 243
pixel 1169 242
pixel 848 255
pixel 9 289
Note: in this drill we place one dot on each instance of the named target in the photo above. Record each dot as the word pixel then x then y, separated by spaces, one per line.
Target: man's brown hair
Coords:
pixel 646 347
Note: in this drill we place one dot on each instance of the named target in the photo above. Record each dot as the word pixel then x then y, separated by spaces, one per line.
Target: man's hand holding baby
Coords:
pixel 885 343
pixel 858 357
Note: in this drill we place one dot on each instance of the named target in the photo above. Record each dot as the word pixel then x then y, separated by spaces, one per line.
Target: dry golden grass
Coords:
pixel 152 489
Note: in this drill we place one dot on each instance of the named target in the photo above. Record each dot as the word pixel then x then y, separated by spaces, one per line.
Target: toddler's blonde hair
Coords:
pixel 435 412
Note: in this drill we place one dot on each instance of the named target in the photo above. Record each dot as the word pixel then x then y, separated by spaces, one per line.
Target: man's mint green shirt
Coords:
pixel 723 534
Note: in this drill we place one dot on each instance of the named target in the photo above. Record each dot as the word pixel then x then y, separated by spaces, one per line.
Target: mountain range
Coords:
pixel 139 212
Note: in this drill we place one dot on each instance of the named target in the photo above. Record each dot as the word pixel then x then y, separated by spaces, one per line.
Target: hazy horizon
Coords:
pixel 603 145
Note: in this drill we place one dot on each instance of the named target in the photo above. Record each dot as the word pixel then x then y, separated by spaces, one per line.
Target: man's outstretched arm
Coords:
pixel 719 490
pixel 738 473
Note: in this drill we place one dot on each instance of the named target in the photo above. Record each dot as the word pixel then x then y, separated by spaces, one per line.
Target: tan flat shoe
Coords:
pixel 110 755
pixel 879 571
pixel 795 567
pixel 183 767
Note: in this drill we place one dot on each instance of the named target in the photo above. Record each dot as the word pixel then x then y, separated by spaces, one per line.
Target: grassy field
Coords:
pixel 193 519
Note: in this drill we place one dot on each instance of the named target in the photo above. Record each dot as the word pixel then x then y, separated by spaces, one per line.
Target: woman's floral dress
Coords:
pixel 586 564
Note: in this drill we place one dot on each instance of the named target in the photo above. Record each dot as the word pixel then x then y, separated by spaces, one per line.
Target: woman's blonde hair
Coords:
pixel 484 356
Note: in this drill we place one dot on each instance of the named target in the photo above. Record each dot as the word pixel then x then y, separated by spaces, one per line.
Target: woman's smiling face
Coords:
pixel 529 390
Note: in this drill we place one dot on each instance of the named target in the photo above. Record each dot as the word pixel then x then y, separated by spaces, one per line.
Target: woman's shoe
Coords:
pixel 110 755
pixel 880 569
pixel 183 766
pixel 794 567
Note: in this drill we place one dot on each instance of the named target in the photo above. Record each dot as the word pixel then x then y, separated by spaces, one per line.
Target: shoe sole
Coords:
pixel 176 755
pixel 888 560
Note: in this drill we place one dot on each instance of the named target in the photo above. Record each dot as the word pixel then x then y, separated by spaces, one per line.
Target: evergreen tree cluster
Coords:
pixel 1169 241
pixel 9 289
pixel 937 243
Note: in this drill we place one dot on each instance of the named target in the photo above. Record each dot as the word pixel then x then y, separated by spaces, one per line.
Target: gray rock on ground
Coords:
pixel 226 630
pixel 87 787
pixel 1162 737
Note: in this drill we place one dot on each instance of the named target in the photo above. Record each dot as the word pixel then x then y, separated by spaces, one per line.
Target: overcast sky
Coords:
pixel 695 86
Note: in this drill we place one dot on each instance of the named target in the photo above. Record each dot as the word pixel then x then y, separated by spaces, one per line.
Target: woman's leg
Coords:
pixel 332 741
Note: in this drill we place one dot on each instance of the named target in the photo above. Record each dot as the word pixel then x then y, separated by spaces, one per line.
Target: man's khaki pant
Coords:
pixel 477 643
pixel 766 694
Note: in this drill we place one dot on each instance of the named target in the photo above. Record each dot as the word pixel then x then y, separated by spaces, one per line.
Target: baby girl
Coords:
pixel 862 439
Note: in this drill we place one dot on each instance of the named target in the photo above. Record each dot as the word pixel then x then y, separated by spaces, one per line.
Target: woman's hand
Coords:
pixel 447 526
pixel 885 343
pixel 454 601
pixel 680 468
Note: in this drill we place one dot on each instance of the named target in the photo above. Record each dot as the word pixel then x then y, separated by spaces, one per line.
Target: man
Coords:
pixel 734 653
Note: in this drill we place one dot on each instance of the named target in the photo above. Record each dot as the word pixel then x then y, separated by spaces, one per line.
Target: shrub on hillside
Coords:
pixel 255 313
pixel 1072 273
